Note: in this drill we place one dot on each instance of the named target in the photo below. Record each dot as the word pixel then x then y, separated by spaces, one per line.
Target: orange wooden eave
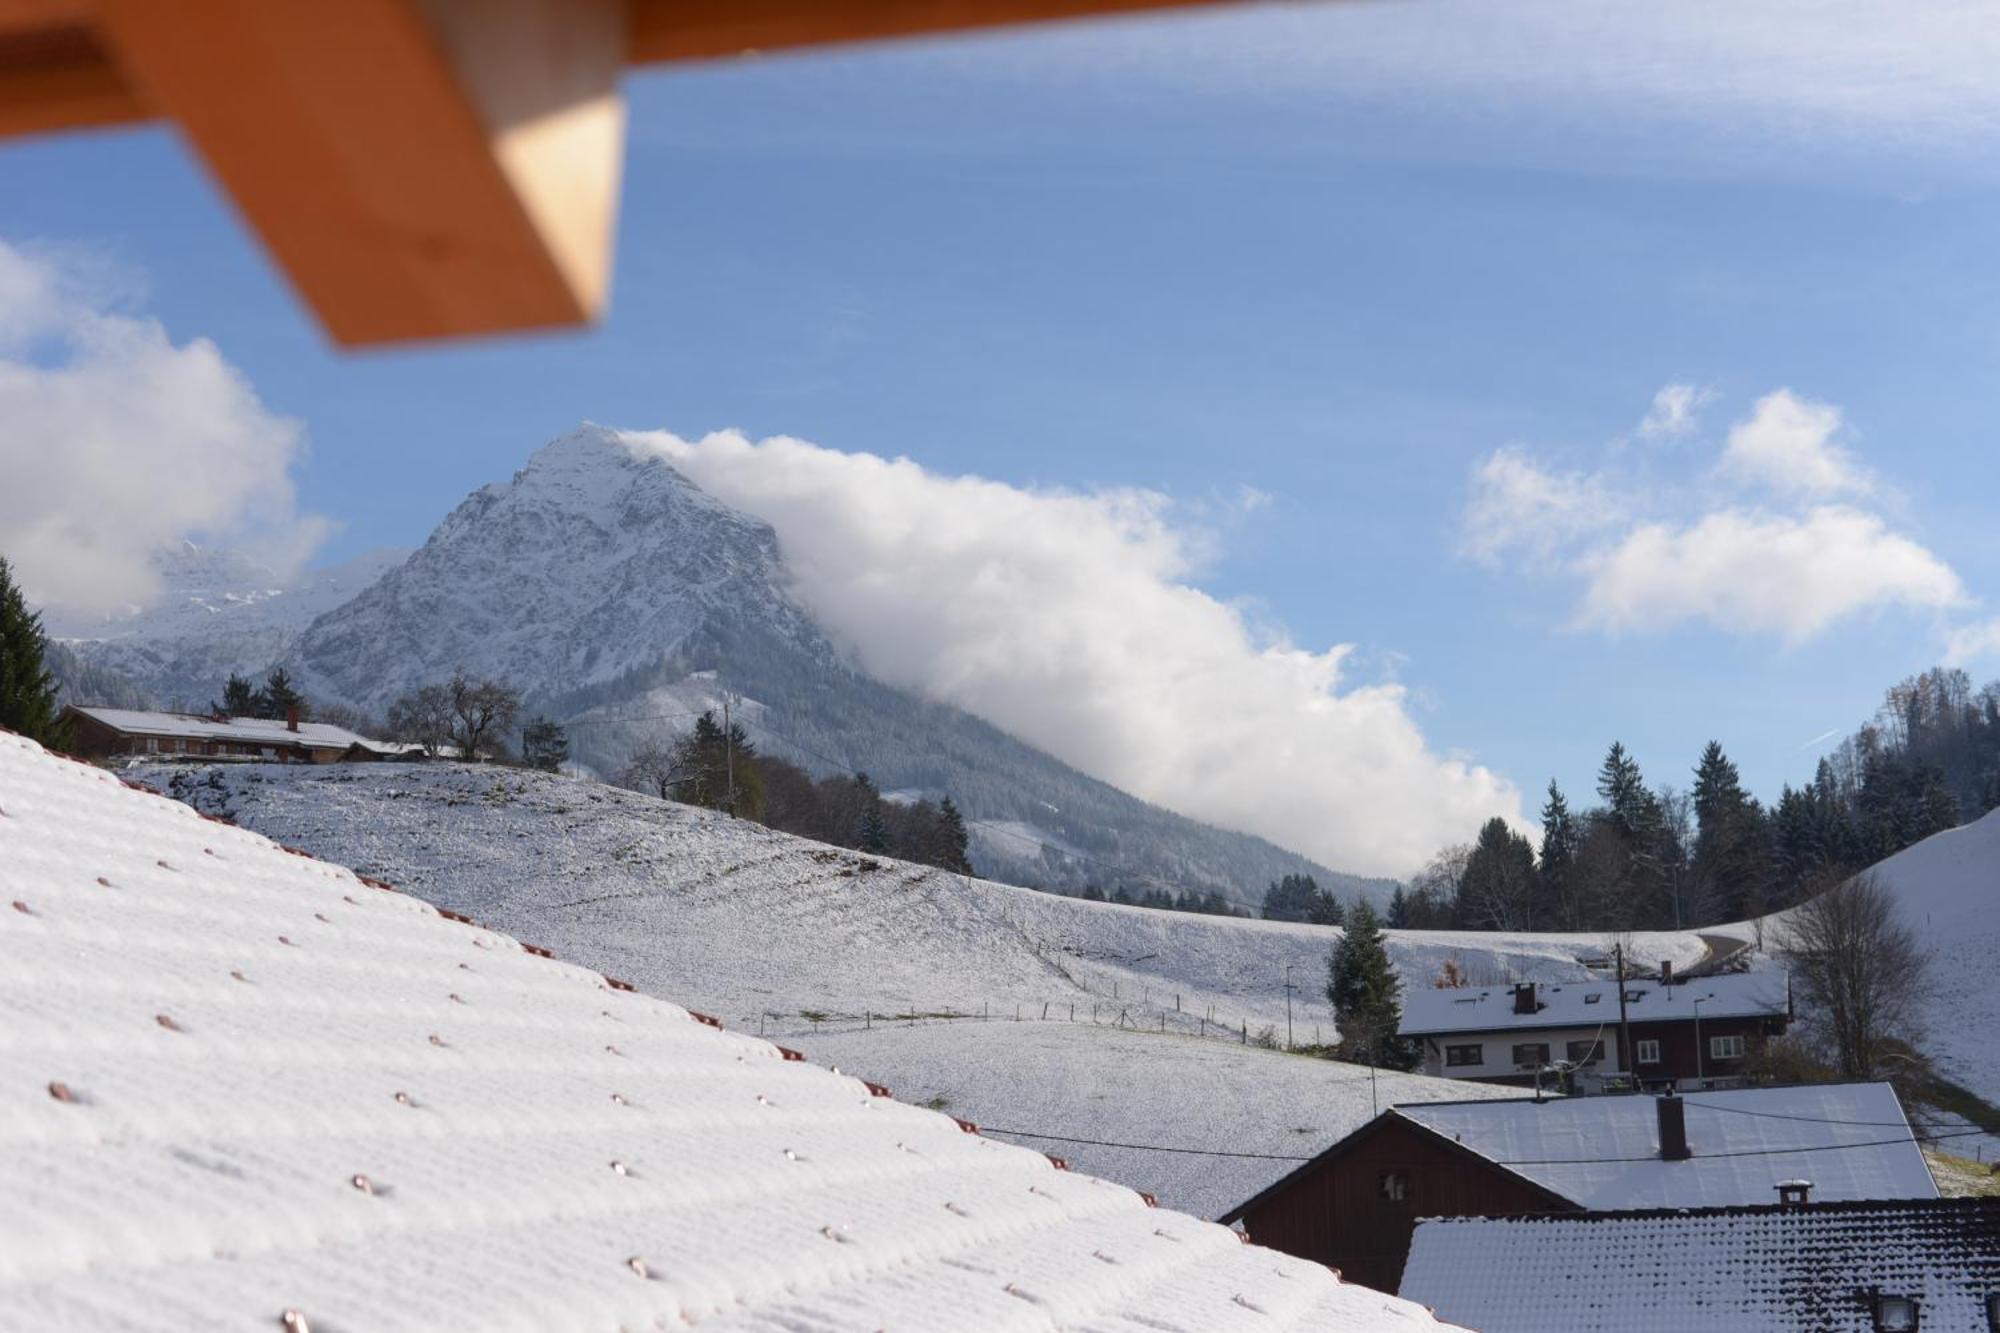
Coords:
pixel 421 168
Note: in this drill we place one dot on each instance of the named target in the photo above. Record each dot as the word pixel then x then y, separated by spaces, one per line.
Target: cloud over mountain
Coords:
pixel 116 442
pixel 1071 620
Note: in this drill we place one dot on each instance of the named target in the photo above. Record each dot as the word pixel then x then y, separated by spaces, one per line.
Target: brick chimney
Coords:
pixel 1666 971
pixel 1673 1128
pixel 1524 998
pixel 292 718
pixel 1794 1193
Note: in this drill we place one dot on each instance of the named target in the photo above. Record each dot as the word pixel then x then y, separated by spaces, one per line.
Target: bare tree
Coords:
pixel 481 712
pixel 654 768
pixel 1862 974
pixel 423 716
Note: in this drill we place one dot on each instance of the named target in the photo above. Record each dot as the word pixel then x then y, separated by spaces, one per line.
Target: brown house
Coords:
pixel 107 733
pixel 1355 1206
pixel 1684 1032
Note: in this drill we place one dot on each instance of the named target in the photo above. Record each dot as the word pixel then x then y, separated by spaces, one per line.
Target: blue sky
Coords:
pixel 1339 255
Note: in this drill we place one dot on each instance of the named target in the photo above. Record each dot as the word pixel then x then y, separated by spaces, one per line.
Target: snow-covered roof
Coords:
pixel 239 1082
pixel 1431 1011
pixel 1851 1140
pixel 1735 1270
pixel 245 730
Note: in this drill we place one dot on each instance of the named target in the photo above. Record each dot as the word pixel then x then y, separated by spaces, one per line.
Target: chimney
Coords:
pixel 1794 1193
pixel 1524 998
pixel 292 718
pixel 1673 1128
pixel 1666 971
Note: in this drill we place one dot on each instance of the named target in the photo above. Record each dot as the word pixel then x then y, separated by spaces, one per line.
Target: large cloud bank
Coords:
pixel 116 442
pixel 1779 536
pixel 1069 620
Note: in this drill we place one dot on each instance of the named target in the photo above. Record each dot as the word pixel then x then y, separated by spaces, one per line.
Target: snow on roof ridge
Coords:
pixel 236 1165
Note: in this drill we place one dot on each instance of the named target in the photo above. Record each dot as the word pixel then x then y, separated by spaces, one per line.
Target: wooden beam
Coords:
pixel 60 78
pixel 664 30
pixel 419 168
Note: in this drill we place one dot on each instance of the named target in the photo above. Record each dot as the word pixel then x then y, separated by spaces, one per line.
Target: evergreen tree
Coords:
pixel 1365 996
pixel 239 698
pixel 544 745
pixel 277 698
pixel 1399 909
pixel 1731 865
pixel 1557 873
pixel 1498 891
pixel 27 687
pixel 874 833
pixel 1300 898
pixel 952 840
pixel 1634 894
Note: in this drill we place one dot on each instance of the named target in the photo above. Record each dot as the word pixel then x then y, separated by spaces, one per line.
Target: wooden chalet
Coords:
pixel 1653 1033
pixel 1354 1207
pixel 119 733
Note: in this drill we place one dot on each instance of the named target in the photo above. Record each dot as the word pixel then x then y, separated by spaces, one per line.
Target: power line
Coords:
pixel 1745 1152
pixel 1810 1119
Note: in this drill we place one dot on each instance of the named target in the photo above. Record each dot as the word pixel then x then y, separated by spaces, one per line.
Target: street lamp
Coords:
pixel 1697 1035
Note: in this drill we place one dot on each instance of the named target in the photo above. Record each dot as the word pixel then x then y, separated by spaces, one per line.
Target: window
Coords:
pixel 1531 1054
pixel 1593 997
pixel 152 745
pixel 1649 1052
pixel 1895 1314
pixel 1465 1055
pixel 1394 1186
pixel 1586 1052
pixel 1725 1048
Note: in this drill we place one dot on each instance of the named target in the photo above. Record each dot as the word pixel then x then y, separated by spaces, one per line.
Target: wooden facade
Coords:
pixel 1687 1062
pixel 1355 1207
pixel 93 738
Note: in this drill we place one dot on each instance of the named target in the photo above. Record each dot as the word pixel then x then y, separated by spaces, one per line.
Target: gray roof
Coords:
pixel 1850 1140
pixel 1726 1270
pixel 1429 1011
pixel 242 730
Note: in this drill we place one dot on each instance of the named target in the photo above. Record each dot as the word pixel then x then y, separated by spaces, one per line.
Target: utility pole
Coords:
pixel 1624 1026
pixel 1288 1005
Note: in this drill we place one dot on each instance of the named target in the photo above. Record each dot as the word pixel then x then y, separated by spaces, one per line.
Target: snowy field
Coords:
pixel 762 926
pixel 1061 1082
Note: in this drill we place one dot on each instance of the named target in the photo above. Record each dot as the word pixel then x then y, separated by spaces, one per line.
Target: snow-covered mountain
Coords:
pixel 618 595
pixel 218 612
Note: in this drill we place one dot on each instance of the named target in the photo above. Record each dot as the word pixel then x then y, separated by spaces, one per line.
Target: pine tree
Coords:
pixel 277 698
pixel 874 834
pixel 239 698
pixel 1364 993
pixel 28 703
pixel 1731 860
pixel 1498 891
pixel 544 745
pixel 1399 909
pixel 953 842
pixel 1558 862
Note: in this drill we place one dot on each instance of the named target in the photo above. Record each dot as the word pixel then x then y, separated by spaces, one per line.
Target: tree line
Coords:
pixel 720 768
pixel 1658 857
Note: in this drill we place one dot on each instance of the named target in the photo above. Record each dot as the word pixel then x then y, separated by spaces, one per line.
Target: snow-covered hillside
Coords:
pixel 619 596
pixel 880 965
pixel 217 612
pixel 1948 887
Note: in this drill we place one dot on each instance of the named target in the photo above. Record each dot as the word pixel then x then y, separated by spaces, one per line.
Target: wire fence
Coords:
pixel 1156 1012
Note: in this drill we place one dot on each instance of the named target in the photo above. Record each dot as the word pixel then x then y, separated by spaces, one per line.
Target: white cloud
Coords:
pixel 1753 573
pixel 1673 411
pixel 1973 643
pixel 1757 545
pixel 1519 506
pixel 1786 445
pixel 116 442
pixel 1068 619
